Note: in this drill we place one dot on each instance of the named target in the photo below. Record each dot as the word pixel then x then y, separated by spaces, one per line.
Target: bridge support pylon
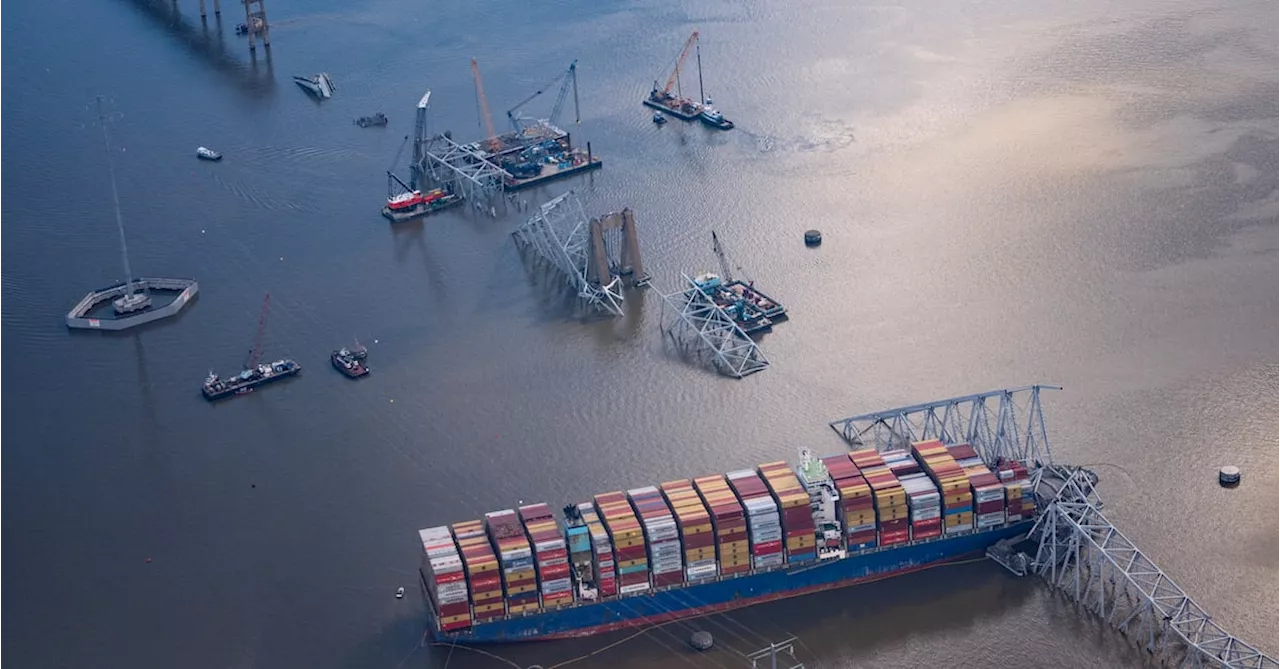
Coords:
pixel 255 18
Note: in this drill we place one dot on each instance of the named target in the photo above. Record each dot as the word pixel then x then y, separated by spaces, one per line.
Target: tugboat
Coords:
pixel 659 118
pixel 377 120
pixel 405 203
pixel 207 154
pixel 713 118
pixel 350 361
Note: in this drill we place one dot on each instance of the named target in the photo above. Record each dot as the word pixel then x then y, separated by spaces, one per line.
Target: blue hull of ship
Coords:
pixel 682 602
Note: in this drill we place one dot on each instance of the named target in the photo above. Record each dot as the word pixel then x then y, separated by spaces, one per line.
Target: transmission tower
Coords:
pixel 771 653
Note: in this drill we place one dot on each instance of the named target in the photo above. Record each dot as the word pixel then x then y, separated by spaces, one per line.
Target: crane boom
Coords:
pixel 565 79
pixel 724 260
pixel 256 352
pixel 492 138
pixel 684 55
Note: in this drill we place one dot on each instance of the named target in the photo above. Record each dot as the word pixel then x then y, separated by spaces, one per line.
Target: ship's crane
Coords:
pixel 256 352
pixel 491 140
pixel 725 273
pixel 419 140
pixel 566 79
pixel 393 181
pixel 675 72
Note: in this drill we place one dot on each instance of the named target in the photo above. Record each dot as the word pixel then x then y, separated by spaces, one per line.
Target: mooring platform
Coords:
pixel 80 316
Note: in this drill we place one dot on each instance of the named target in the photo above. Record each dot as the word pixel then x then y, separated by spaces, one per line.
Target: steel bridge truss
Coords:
pixel 560 235
pixel 998 424
pixel 1084 556
pixel 472 175
pixel 701 330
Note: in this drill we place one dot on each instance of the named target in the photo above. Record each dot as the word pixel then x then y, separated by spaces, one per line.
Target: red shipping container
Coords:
pixel 490 615
pixel 767 547
pixel 673 578
pixel 926 524
pixel 457 609
pixel 991 507
pixel 792 534
pixel 448 577
pixel 735 570
pixel 894 525
pixel 926 534
pixel 461 624
pixel 891 538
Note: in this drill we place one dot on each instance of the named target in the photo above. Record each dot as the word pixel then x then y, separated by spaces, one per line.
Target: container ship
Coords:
pixel 689 548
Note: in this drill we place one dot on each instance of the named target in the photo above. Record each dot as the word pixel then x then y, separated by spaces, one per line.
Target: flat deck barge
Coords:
pixel 685 110
pixel 215 388
pixel 435 206
pixel 771 308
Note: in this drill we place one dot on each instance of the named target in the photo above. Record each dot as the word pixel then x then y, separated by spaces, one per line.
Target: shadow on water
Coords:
pixel 410 238
pixel 204 38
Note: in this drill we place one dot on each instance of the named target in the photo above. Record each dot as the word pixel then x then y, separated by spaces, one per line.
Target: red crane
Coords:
pixel 491 140
pixel 256 351
pixel 684 55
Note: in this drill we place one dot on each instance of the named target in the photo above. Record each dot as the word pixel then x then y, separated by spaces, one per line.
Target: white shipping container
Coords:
pixel 709 562
pixel 446 565
pixel 927 514
pixel 556 585
pixel 866 527
pixel 549 545
pixel 956 529
pixel 633 588
pixel 704 571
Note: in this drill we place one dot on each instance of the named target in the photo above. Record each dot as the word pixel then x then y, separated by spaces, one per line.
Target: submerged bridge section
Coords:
pixel 1077 550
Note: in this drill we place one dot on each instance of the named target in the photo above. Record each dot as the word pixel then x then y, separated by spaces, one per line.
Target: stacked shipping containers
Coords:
pixel 763 526
pixel 697 535
pixel 628 542
pixel 988 492
pixel 665 562
pixel 857 508
pixel 549 554
pixel 483 576
pixel 890 498
pixel 516 558
pixel 577 539
pixel 923 498
pixel 730 523
pixel 446 584
pixel 797 515
pixel 957 500
pixel 1020 503
pixel 601 549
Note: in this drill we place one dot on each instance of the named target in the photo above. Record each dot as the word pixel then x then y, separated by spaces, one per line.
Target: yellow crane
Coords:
pixel 491 140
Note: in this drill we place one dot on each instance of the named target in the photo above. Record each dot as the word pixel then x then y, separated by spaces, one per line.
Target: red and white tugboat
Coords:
pixel 405 203
pixel 350 361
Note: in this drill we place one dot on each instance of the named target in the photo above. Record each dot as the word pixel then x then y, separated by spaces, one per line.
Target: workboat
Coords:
pixel 216 388
pixel 659 118
pixel 378 119
pixel 319 85
pixel 207 154
pixel 689 548
pixel 710 116
pixel 405 203
pixel 350 361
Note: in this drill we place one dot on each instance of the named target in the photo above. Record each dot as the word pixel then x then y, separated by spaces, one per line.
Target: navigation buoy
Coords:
pixel 148 560
pixel 812 238
pixel 1229 476
pixel 701 641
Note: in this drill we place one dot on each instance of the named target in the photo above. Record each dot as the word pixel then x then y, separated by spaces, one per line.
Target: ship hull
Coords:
pixel 691 601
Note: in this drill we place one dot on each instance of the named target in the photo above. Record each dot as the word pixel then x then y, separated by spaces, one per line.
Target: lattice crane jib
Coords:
pixel 699 329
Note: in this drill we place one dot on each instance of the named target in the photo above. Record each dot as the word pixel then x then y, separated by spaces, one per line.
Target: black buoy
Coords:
pixel 701 641
pixel 812 238
pixel 1229 476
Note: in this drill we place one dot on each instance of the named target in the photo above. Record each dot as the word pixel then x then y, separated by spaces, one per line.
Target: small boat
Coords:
pixel 319 85
pixel 377 120
pixel 710 116
pixel 659 118
pixel 350 361
pixel 207 154
pixel 400 593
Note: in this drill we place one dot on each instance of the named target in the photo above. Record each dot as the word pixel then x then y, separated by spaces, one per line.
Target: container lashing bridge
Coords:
pixel 1077 550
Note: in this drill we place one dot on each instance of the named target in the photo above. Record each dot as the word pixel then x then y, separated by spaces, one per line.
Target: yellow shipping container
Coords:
pixel 524 608
pixel 799 543
pixel 628 542
pixel 521 589
pixel 455 619
pixel 697 529
pixel 487 608
pixel 633 563
pixel 486 596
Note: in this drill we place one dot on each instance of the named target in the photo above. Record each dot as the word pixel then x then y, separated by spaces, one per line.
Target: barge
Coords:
pixel 216 388
pixel 405 203
pixel 350 361
pixel 688 548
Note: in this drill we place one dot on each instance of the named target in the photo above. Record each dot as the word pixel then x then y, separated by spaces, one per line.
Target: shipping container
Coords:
pixel 890 499
pixel 666 564
pixel 764 527
pixel 857 511
pixel 446 582
pixel 628 541
pixel 515 557
pixel 795 512
pixel 730 523
pixel 484 578
pixel 697 532
pixel 550 554
pixel 602 559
